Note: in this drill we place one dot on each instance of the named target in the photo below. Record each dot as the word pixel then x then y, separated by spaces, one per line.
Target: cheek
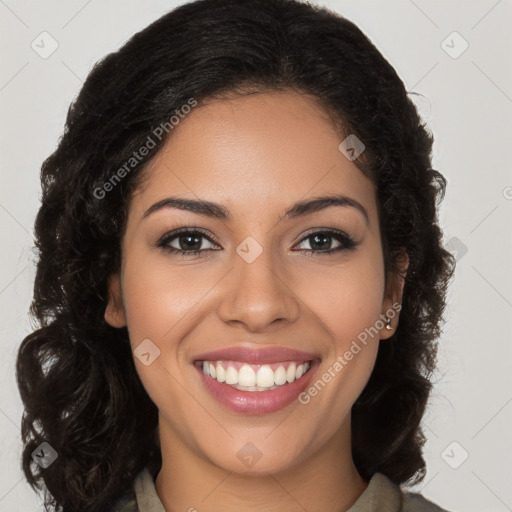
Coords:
pixel 157 298
pixel 347 303
pixel 159 305
pixel 347 299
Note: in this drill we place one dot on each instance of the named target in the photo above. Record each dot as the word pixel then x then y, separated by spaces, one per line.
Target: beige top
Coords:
pixel 381 495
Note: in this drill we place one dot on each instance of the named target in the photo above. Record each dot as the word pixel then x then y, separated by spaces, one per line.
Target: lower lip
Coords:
pixel 257 402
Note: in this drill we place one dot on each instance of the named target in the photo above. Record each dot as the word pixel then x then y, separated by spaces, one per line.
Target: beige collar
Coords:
pixel 381 495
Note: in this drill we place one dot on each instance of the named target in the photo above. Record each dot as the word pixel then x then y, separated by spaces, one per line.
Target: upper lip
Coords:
pixel 260 355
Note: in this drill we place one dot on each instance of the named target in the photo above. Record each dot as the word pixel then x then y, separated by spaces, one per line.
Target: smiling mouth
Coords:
pixel 254 377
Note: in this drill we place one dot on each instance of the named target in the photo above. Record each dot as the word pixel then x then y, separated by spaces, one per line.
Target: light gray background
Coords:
pixel 468 105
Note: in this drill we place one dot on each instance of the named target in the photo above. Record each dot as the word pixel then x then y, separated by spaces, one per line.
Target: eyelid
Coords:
pixel 326 229
pixel 188 229
pixel 323 229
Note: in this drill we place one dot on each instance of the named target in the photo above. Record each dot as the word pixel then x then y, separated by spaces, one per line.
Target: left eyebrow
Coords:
pixel 218 211
pixel 313 205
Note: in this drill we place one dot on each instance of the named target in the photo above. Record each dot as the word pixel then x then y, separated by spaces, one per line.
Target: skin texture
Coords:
pixel 233 152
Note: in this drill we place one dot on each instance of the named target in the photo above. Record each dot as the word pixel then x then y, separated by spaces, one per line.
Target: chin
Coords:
pixel 258 458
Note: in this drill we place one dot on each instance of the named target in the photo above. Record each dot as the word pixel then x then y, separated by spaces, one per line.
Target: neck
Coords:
pixel 328 481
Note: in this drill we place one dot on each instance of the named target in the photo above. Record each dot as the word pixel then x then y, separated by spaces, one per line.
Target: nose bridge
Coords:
pixel 256 294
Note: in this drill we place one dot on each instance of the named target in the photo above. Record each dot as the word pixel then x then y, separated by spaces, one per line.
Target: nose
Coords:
pixel 257 297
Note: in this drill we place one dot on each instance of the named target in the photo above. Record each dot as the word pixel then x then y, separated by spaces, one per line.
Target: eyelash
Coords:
pixel 348 243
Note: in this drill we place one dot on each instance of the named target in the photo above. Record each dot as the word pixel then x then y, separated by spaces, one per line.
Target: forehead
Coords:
pixel 255 153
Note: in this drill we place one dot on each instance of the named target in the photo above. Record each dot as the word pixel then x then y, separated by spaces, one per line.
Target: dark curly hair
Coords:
pixel 76 374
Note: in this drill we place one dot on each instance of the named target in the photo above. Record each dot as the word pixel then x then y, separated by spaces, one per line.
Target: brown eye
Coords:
pixel 186 242
pixel 321 242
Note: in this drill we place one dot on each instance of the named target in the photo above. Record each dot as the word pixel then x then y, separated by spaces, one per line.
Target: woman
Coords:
pixel 241 277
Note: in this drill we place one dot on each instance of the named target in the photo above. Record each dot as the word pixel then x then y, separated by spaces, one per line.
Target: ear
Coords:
pixel 114 312
pixel 394 294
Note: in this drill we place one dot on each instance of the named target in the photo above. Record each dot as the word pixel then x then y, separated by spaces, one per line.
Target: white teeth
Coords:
pixel 246 376
pixel 231 376
pixel 221 373
pixel 254 388
pixel 255 377
pixel 290 373
pixel 265 377
pixel 280 376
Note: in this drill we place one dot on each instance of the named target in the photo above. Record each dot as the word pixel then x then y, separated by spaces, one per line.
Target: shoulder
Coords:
pixel 143 496
pixel 126 503
pixel 383 495
pixel 413 502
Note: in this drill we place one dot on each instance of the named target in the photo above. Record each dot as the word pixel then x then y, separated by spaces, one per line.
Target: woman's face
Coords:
pixel 256 290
